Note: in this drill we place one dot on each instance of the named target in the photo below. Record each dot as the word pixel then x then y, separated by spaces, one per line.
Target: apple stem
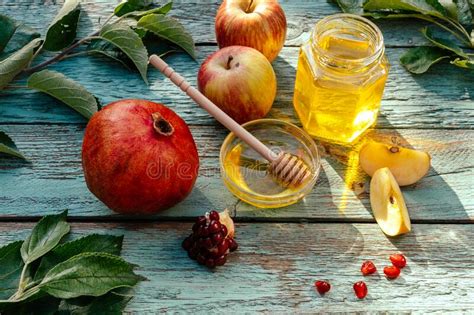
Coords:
pixel 248 8
pixel 161 125
pixel 229 61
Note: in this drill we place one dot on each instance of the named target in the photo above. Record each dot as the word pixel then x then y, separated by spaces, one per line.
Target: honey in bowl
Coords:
pixel 246 173
pixel 340 78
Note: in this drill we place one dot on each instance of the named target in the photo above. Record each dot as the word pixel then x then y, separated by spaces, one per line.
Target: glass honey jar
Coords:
pixel 340 79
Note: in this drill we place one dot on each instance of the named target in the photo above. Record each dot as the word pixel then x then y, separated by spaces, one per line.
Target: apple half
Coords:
pixel 407 165
pixel 388 205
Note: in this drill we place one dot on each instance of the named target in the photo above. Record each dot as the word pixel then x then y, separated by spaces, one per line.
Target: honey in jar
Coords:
pixel 340 78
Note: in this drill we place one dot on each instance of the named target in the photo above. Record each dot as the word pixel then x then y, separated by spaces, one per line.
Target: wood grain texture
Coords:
pixel 198 17
pixel 441 98
pixel 277 264
pixel 53 179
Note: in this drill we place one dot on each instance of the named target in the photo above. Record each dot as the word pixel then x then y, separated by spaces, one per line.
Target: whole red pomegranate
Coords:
pixel 139 157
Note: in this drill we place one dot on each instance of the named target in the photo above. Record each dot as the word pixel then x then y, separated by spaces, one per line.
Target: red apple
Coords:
pixel 240 80
pixel 260 24
pixel 139 157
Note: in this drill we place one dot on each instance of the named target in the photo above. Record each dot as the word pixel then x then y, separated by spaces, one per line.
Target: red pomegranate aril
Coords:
pixel 193 252
pixel 223 247
pixel 210 263
pixel 368 268
pixel 201 259
pixel 220 261
pixel 203 231
pixel 187 243
pixel 224 230
pixel 214 215
pixel 206 243
pixel 214 227
pixel 217 238
pixel 398 260
pixel 322 286
pixel 360 289
pixel 233 245
pixel 391 272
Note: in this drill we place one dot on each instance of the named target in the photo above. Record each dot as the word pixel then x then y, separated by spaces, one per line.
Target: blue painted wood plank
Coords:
pixel 276 265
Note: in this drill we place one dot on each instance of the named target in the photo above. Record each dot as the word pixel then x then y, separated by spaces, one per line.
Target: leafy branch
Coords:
pixel 454 18
pixel 43 275
pixel 126 36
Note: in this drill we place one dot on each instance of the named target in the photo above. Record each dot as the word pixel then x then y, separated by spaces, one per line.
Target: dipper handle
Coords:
pixel 212 109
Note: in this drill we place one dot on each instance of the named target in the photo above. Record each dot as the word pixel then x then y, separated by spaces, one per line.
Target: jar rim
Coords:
pixel 379 40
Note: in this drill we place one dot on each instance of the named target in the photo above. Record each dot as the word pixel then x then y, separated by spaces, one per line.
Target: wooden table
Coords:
pixel 282 251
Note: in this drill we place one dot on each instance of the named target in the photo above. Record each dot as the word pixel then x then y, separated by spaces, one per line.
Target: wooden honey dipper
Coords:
pixel 289 169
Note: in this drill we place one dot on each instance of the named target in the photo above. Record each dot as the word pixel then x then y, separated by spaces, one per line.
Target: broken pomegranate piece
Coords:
pixel 212 239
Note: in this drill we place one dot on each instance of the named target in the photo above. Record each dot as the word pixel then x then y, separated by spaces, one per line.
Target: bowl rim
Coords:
pixel 297 193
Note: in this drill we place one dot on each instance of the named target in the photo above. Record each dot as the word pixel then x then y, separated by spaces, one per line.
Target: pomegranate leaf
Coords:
pixel 44 236
pixel 92 274
pixel 420 59
pixel 130 43
pixel 7 29
pixel 16 62
pixel 12 264
pixel 91 243
pixel 113 302
pixel 62 31
pixel 170 29
pixel 7 146
pixel 66 90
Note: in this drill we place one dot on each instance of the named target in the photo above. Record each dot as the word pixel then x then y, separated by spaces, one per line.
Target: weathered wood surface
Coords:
pixel 277 264
pixel 301 17
pixel 53 179
pixel 441 98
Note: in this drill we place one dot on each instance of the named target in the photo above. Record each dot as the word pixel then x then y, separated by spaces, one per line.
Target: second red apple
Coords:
pixel 240 80
pixel 260 24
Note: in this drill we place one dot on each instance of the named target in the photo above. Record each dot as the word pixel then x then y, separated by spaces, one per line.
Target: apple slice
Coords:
pixel 388 205
pixel 407 165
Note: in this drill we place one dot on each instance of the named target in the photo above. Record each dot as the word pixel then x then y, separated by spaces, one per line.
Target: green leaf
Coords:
pixel 463 63
pixel 91 274
pixel 130 43
pixel 443 43
pixel 66 90
pixel 46 305
pixel 15 63
pixel 44 236
pixel 170 29
pixel 10 271
pixel 131 5
pixel 109 50
pixel 7 29
pixel 420 59
pixel 164 9
pixel 7 146
pixel 351 6
pixel 91 243
pixel 113 302
pixel 62 31
pixel 22 36
pixel 431 7
pixel 464 14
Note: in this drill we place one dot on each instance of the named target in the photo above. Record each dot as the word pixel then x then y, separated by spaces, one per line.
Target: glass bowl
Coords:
pixel 244 171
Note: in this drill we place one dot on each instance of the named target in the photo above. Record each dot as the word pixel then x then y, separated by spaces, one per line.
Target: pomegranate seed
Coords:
pixel 368 268
pixel 187 243
pixel 203 231
pixel 214 215
pixel 233 245
pixel 210 263
pixel 398 260
pixel 322 286
pixel 360 289
pixel 214 227
pixel 391 272
pixel 220 261
pixel 217 238
pixel 201 259
pixel 224 230
pixel 201 220
pixel 223 247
